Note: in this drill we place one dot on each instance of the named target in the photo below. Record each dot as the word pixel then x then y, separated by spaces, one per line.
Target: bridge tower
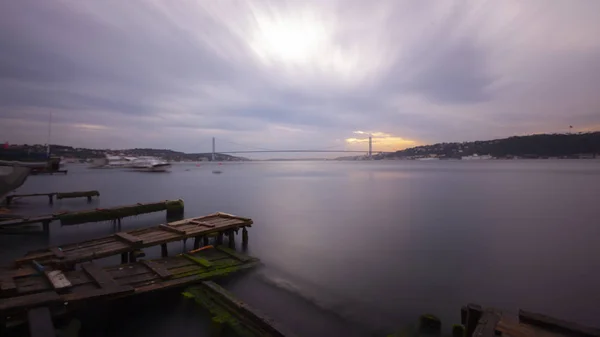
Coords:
pixel 370 146
pixel 213 152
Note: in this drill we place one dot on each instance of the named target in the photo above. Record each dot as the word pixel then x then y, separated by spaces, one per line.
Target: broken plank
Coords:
pixel 29 301
pixel 486 327
pixel 157 268
pixel 131 239
pixel 40 323
pixel 57 252
pixel 172 229
pixel 58 279
pixel 102 278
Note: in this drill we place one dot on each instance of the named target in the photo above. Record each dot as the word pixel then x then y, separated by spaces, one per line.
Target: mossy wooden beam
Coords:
pixel 108 214
pixel 237 315
pixel 82 194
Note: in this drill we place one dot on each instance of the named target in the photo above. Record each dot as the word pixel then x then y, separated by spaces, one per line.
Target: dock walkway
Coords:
pixel 125 243
pixel 62 291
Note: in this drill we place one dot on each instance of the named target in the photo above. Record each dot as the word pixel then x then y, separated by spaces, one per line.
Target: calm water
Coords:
pixel 355 248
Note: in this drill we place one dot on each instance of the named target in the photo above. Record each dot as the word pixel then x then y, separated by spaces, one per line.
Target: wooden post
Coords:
pixel 184 244
pixel 197 242
pixel 132 257
pixel 474 312
pixel 8 200
pixel 46 227
pixel 220 238
pixel 205 240
pixel 163 250
pixel 244 236
pixel 119 223
pixel 89 199
pixel 124 258
pixel 51 198
pixel 231 236
pixel 430 325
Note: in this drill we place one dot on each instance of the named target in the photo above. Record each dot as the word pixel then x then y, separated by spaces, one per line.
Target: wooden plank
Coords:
pixel 157 268
pixel 7 286
pixel 133 240
pixel 40 323
pixel 57 252
pixel 29 301
pixel 486 327
pixel 98 293
pixel 58 280
pixel 200 223
pixel 198 260
pixel 102 278
pixel 557 325
pixel 172 229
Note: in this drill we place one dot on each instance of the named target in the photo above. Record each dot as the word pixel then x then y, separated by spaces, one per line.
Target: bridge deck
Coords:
pixel 126 242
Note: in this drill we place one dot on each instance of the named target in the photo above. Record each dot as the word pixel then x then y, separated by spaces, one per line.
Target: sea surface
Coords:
pixel 360 248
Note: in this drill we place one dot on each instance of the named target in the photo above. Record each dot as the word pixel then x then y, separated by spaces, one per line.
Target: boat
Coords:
pixel 13 174
pixel 109 162
pixel 149 164
pixel 478 157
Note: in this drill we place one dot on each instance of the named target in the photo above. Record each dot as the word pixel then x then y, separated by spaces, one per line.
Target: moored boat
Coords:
pixel 149 164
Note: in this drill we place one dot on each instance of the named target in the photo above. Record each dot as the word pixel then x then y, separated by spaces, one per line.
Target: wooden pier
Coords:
pixel 174 209
pixel 228 311
pixel 62 291
pixel 58 195
pixel 128 244
pixel 480 322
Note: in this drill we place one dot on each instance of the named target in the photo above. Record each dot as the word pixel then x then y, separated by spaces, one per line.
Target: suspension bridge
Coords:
pixel 369 152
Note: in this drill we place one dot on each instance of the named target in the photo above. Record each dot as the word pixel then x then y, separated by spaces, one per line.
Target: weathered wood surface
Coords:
pixel 26 221
pixel 96 283
pixel 119 212
pixel 557 325
pixel 226 309
pixel 492 322
pixel 116 244
pixel 81 194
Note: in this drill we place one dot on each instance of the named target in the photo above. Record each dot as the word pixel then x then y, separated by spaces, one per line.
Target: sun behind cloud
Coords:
pixel 381 141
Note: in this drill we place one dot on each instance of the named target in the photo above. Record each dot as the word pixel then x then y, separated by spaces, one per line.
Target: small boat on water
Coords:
pixel 149 164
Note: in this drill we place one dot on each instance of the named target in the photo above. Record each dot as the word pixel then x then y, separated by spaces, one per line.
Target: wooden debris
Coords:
pixel 58 280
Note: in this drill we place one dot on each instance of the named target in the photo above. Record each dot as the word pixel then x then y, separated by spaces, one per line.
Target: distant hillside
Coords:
pixel 15 151
pixel 534 146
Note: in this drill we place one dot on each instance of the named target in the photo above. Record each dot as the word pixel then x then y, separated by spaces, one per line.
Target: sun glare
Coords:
pixel 289 39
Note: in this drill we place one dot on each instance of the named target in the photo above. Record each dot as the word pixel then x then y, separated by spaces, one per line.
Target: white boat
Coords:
pixel 478 157
pixel 112 162
pixel 14 173
pixel 149 164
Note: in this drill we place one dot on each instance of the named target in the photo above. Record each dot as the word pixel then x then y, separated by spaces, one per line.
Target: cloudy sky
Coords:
pixel 295 74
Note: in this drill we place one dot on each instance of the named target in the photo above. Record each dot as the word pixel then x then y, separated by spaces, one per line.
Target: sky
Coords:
pixel 295 74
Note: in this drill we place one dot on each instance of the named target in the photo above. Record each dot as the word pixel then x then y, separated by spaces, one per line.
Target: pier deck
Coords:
pixel 26 288
pixel 488 322
pixel 127 242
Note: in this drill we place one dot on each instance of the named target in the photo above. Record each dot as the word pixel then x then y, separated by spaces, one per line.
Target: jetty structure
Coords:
pixel 174 210
pixel 62 279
